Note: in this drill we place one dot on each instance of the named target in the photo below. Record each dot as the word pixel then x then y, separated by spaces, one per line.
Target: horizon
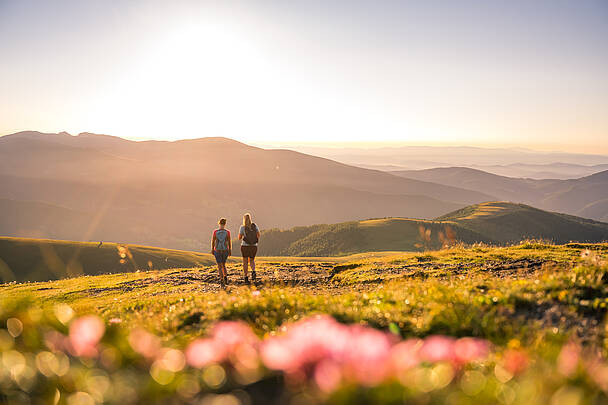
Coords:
pixel 332 145
pixel 478 74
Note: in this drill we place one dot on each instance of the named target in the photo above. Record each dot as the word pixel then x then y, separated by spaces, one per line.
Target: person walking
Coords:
pixel 221 248
pixel 249 235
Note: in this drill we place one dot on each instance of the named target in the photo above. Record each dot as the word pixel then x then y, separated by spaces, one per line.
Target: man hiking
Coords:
pixel 221 248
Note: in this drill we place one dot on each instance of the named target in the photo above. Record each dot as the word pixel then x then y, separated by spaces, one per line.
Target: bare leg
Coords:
pixel 224 269
pixel 219 271
pixel 252 263
pixel 245 263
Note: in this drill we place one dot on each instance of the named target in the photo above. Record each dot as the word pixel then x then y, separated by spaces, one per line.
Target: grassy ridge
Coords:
pixel 42 259
pixel 492 223
pixel 527 300
pixel 495 293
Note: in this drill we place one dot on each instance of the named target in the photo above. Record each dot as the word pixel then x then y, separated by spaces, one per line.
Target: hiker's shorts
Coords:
pixel 249 251
pixel 220 256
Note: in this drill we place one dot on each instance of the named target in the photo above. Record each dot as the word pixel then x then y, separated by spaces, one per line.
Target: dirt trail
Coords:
pixel 309 275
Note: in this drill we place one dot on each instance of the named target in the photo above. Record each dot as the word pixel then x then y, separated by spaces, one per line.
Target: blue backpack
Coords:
pixel 221 239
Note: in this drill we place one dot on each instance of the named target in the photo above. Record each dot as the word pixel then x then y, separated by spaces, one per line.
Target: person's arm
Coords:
pixel 258 232
pixel 229 245
pixel 212 242
pixel 240 234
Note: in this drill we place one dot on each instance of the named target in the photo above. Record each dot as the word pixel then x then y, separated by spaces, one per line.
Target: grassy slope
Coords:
pixel 42 259
pixel 523 293
pixel 493 222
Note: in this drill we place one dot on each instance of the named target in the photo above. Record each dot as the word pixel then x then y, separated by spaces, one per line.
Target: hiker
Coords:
pixel 221 248
pixel 249 235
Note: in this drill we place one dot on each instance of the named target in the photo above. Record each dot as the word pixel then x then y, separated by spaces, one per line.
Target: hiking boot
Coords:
pixel 226 280
pixel 253 276
pixel 247 280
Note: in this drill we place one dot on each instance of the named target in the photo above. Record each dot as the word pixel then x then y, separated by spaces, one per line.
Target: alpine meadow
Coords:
pixel 303 203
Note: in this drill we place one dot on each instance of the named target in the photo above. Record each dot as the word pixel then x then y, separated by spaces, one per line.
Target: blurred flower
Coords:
pixel 568 359
pixel 328 376
pixel 598 371
pixel 84 335
pixel 368 355
pixel 515 361
pixel 203 352
pixel 469 349
pixel 144 343
pixel 115 320
pixel 438 348
pixel 231 334
pixel 405 355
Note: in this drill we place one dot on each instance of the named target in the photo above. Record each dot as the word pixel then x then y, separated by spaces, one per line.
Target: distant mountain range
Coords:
pixel 585 197
pixel 511 162
pixel 170 194
pixel 492 223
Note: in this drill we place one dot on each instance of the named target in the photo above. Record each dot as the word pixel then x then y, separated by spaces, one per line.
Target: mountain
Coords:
pixel 171 194
pixel 582 197
pixel 544 171
pixel 491 222
pixel 426 157
pixel 41 259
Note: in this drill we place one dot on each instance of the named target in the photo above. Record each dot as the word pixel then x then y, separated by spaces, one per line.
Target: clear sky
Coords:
pixel 488 73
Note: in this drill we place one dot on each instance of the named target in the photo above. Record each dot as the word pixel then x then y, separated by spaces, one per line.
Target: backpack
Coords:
pixel 221 239
pixel 251 234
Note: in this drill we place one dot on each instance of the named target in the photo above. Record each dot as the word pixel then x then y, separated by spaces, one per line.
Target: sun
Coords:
pixel 197 75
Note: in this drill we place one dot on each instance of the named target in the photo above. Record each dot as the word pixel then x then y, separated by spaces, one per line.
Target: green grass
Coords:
pixel 24 259
pixel 532 296
pixel 497 223
pixel 496 293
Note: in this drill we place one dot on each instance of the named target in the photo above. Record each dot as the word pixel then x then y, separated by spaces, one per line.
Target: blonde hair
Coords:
pixel 247 220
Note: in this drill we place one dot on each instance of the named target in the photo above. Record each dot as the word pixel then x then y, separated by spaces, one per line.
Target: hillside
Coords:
pixel 493 223
pixel 171 194
pixel 40 259
pixel 573 196
pixel 526 323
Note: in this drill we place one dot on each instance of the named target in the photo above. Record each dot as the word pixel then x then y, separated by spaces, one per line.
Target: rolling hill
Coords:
pixel 494 223
pixel 171 194
pixel 24 259
pixel 581 197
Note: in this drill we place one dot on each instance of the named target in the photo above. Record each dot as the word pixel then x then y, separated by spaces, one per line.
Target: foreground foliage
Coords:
pixel 518 325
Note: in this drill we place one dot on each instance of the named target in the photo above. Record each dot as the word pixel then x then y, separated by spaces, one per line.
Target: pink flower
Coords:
pixel 568 359
pixel 277 355
pixel 305 343
pixel 598 372
pixel 144 343
pixel 367 359
pixel 469 349
pixel 231 334
pixel 515 361
pixel 203 352
pixel 84 335
pixel 328 376
pixel 437 348
pixel 256 293
pixel 405 355
pixel 115 320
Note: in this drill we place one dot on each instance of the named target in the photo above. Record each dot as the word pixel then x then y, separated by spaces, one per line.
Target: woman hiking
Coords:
pixel 221 248
pixel 249 235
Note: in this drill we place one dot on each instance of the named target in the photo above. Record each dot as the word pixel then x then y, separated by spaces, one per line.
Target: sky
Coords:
pixel 515 73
